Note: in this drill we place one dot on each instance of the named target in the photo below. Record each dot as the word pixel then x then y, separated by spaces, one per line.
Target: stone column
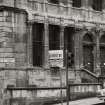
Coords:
pixel 46 45
pixel 45 6
pixel 90 2
pixel 29 45
pixel 70 2
pixel 77 48
pixel 97 61
pixel 69 7
pixel 103 5
pixel 62 37
pixel 84 3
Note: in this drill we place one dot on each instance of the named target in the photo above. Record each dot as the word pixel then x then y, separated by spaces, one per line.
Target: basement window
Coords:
pixel 54 1
pixel 9 17
pixel 76 3
pixel 55 71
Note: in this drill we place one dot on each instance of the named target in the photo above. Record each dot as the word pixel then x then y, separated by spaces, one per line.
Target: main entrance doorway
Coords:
pixel 88 58
pixel 102 54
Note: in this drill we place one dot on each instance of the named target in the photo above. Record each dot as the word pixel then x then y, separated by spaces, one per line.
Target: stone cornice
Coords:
pixel 14 9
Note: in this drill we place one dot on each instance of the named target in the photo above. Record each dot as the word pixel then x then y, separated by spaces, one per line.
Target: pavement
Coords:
pixel 87 101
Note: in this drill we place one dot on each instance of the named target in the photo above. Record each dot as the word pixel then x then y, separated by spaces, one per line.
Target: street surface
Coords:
pixel 100 104
pixel 87 101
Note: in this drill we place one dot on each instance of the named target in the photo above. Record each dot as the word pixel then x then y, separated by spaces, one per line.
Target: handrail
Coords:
pixel 89 72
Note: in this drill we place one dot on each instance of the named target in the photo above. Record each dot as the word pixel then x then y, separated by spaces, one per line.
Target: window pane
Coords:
pixel 77 3
pixel 97 5
pixel 54 1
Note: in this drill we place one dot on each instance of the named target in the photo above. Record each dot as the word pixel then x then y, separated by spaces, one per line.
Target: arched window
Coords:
pixel 97 5
pixel 76 3
pixel 87 38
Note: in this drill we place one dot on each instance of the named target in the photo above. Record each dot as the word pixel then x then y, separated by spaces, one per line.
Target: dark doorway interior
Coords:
pixel 37 35
pixel 88 57
pixel 102 59
pixel 102 54
pixel 88 48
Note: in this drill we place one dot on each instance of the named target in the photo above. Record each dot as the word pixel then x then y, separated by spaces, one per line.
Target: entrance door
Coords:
pixel 88 57
pixel 102 54
pixel 102 59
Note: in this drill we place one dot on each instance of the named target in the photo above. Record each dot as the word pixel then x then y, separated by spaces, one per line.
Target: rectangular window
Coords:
pixel 54 38
pixel 54 1
pixel 55 71
pixel 76 3
pixel 37 43
pixel 97 5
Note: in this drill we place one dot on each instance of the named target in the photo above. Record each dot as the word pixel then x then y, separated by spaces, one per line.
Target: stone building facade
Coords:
pixel 31 28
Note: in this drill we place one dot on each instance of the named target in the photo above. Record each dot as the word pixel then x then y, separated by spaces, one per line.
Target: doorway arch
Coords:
pixel 88 48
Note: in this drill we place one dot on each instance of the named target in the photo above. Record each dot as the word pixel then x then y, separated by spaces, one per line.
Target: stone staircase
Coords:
pixel 88 77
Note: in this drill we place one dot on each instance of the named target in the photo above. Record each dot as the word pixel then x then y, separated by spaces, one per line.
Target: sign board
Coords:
pixel 11 60
pixel 56 58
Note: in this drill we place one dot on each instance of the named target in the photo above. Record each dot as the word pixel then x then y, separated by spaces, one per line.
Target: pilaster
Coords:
pixel 69 7
pixel 46 45
pixel 70 2
pixel 77 54
pixel 62 37
pixel 84 3
pixel 45 6
pixel 90 2
pixel 29 45
pixel 103 5
pixel 97 61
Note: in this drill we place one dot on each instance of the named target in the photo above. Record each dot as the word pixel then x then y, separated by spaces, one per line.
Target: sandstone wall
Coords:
pixel 12 39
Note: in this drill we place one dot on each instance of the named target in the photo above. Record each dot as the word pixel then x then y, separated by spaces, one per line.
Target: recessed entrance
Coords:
pixel 88 58
pixel 69 44
pixel 102 54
